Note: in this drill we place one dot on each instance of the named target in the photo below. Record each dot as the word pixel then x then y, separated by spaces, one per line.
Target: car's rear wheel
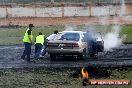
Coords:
pixel 80 56
pixel 100 46
pixel 52 56
pixel 84 55
pixel 94 56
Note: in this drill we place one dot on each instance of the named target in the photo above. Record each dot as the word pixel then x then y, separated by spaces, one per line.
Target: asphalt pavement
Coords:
pixel 10 58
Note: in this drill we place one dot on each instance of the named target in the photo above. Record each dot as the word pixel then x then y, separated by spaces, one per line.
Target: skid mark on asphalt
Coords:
pixel 10 58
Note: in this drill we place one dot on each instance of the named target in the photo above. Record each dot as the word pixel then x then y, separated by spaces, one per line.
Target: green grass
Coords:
pixel 52 78
pixel 127 30
pixel 12 36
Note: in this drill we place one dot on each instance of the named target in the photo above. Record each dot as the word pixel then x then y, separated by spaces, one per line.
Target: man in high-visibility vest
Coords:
pixel 39 42
pixel 85 76
pixel 28 37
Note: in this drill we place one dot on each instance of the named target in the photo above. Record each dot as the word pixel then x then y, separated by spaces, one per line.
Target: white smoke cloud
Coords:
pixel 111 39
pixel 70 27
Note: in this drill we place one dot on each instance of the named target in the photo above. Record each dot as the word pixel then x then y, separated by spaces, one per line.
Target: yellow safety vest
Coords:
pixel 40 39
pixel 26 36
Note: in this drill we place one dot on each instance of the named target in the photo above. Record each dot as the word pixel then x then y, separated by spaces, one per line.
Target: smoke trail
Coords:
pixel 70 27
pixel 123 9
pixel 112 40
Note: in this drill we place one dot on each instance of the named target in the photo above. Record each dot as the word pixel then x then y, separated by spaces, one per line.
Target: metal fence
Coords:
pixel 63 1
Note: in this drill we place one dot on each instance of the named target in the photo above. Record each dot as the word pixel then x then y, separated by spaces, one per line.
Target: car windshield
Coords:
pixel 68 36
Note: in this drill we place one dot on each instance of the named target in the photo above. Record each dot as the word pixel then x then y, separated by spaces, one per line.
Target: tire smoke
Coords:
pixel 112 39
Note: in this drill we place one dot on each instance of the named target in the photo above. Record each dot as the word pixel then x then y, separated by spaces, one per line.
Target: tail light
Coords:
pixel 75 45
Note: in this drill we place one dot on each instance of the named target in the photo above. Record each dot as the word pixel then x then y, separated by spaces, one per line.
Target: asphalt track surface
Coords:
pixel 117 57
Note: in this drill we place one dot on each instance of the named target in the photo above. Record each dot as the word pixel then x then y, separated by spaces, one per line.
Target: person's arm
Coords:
pixel 48 38
pixel 29 35
pixel 51 37
pixel 35 40
pixel 45 41
pixel 29 38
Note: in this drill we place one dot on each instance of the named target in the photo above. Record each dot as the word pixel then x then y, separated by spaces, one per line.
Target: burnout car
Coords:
pixel 69 43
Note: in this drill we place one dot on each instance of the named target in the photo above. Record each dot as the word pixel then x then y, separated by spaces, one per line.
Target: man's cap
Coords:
pixel 56 31
pixel 40 33
pixel 31 25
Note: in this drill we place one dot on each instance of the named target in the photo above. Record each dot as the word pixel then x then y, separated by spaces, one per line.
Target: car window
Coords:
pixel 68 36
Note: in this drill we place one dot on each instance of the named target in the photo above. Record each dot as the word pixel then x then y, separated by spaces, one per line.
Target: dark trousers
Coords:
pixel 38 48
pixel 27 51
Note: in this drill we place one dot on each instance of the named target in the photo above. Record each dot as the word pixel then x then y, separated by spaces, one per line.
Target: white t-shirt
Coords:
pixel 51 37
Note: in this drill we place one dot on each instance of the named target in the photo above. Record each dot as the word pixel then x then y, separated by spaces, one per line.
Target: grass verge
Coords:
pixel 13 36
pixel 53 78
